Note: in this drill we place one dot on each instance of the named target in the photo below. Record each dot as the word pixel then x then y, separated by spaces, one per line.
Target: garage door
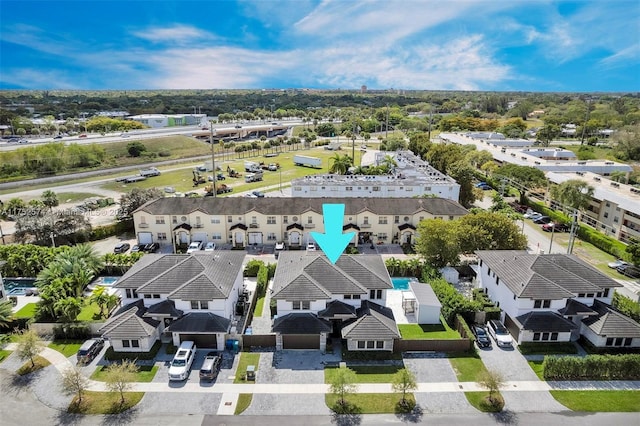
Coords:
pixel 199 236
pixel 208 341
pixel 301 341
pixel 255 238
pixel 145 238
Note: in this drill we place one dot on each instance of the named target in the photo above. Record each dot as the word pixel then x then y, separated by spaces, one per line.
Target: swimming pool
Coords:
pixel 106 281
pixel 19 286
pixel 401 283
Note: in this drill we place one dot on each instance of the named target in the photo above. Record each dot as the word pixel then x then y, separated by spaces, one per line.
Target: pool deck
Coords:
pixel 394 302
pixel 23 301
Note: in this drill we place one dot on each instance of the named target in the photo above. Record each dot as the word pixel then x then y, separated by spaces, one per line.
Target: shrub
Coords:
pixel 592 367
pixel 71 332
pixel 252 268
pixel 111 355
pixel 453 302
pixel 626 306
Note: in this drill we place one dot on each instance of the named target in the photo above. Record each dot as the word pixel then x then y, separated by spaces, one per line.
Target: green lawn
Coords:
pixel 244 401
pixel 104 403
pixel 66 347
pixel 90 312
pixel 370 403
pixel 145 373
pixel 259 307
pixel 246 359
pixel 74 197
pixel 428 331
pixel 38 363
pixel 479 401
pixel 27 311
pixel 564 348
pixel 537 368
pixel 366 373
pixel 599 401
pixel 468 368
pixel 4 354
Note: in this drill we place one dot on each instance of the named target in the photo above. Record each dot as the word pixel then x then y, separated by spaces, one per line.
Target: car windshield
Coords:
pixel 480 332
pixel 179 363
pixel 500 330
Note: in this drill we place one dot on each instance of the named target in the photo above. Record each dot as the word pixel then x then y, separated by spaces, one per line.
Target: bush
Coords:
pixel 252 268
pixel 592 367
pixel 71 332
pixel 263 280
pixel 453 302
pixel 626 306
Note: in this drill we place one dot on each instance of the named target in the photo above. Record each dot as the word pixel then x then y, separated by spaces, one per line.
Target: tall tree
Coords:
pixel 462 172
pixel 29 345
pixel 343 384
pixel 524 178
pixel 437 242
pixel 340 164
pixel 492 381
pixel 74 382
pixel 120 376
pixel 50 199
pixel 404 381
pixel 574 193
pixel 134 199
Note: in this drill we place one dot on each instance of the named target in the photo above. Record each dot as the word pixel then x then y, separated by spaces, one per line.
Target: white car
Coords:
pixel 210 247
pixel 182 361
pixel 616 263
pixel 500 333
pixel 311 246
pixel 195 246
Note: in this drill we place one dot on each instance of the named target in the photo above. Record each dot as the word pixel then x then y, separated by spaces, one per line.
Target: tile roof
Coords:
pixel 128 323
pixel 200 322
pixel 311 276
pixel 545 322
pixel 374 322
pixel 166 307
pixel 185 274
pixel 573 307
pixel 298 205
pixel 610 323
pixel 301 323
pixel 339 309
pixel 544 276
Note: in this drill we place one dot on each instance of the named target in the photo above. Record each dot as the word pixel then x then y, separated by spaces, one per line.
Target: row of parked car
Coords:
pixel 496 329
pixel 147 248
pixel 625 268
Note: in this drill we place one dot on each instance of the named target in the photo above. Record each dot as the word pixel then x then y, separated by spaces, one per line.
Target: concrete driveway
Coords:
pixel 512 365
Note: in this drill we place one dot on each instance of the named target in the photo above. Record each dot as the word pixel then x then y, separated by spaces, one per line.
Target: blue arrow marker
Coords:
pixel 333 241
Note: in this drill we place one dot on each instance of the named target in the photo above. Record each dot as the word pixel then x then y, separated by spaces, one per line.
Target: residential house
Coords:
pixel 242 221
pixel 554 297
pixel 182 297
pixel 315 298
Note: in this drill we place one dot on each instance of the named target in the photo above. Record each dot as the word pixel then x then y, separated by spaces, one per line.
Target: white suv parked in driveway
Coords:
pixel 182 361
pixel 499 333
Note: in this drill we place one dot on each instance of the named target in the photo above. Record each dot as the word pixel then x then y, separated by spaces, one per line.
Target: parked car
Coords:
pixel 500 333
pixel 629 271
pixel 210 246
pixel 616 263
pixel 195 246
pixel 530 214
pixel 542 220
pixel 482 338
pixel 210 366
pixel 258 194
pixel 151 247
pixel 555 227
pixel 82 135
pixel 311 246
pixel 182 361
pixel 89 350
pixel 278 248
pixel 136 248
pixel 121 248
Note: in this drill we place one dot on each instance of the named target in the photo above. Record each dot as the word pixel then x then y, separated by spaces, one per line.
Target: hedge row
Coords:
pixel 592 367
pixel 111 355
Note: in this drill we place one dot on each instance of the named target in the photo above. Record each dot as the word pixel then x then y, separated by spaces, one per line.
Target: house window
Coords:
pixel 361 344
pixel 309 219
pixel 285 219
pixel 156 296
pixel 229 219
pixel 347 296
pixel 580 294
pixel 147 296
pixel 174 220
pixel 131 293
pixel 254 220
pixel 376 188
pixel 536 336
pixel 379 344
pixel 396 219
pixel 271 220
pixel 162 236
pixel 366 220
pixel 382 220
pixel 271 236
pixel 371 344
pixel 216 236
pixel 159 220
pixel 542 304
pixel 382 236
pixel 349 188
pixel 545 336
pixel 554 336
pixel 375 294
pixel 355 297
pixel 199 304
pixel 301 305
pixel 126 344
pixel 421 218
pixel 606 293
pixel 627 341
pixel 215 220
pixel 589 294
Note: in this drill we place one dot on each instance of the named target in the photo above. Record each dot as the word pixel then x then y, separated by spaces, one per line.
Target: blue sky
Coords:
pixel 525 45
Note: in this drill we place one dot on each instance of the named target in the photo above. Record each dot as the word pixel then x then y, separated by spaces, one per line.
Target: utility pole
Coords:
pixel 213 159
pixel 553 231
pixel 574 230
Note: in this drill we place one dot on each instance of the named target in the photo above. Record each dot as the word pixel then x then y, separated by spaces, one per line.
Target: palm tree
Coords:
pixel 6 313
pixel 68 308
pixel 341 164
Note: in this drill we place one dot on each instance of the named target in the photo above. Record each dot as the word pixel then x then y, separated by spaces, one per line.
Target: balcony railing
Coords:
pixel 198 225
pixel 143 225
pixel 254 225
pixel 310 225
pixel 365 225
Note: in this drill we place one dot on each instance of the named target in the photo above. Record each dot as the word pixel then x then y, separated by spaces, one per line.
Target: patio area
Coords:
pixel 394 302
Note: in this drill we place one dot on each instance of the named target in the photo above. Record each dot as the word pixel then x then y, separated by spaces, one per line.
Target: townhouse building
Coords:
pixel 240 221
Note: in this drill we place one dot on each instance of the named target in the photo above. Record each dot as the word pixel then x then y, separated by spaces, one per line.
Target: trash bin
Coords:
pixel 251 372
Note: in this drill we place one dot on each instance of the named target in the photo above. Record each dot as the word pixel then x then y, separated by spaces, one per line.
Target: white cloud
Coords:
pixel 174 34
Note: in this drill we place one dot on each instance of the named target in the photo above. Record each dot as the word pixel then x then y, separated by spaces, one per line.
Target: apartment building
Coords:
pixel 249 221
pixel 615 207
pixel 411 177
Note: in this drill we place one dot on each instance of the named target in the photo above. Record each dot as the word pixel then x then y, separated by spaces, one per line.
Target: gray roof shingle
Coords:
pixel 275 206
pixel 200 322
pixel 337 309
pixel 546 276
pixel 424 294
pixel 301 323
pixel 610 323
pixel 311 276
pixel 545 322
pixel 128 323
pixel 374 322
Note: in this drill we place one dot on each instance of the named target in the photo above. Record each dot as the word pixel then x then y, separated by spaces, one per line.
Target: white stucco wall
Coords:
pixel 285 307
pixel 145 344
pixel 352 345
pixel 427 314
